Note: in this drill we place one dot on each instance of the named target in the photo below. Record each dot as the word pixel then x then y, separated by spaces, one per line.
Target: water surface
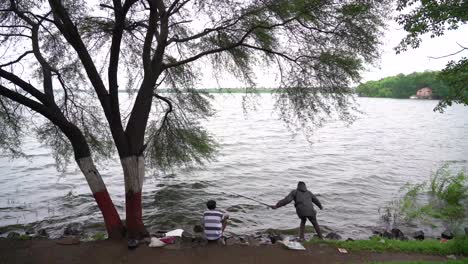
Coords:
pixel 354 169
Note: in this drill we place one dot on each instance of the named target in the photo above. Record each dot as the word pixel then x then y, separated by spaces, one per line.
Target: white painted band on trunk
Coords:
pixel 134 173
pixel 91 174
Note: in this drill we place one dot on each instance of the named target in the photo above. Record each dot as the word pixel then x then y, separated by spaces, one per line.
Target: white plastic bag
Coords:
pixel 176 233
pixel 155 242
pixel 294 245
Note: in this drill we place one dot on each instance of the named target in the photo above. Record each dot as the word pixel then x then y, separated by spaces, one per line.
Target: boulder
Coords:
pixel 397 234
pixel 447 234
pixel 73 229
pixel 132 243
pixel 244 240
pixel 419 235
pixel 42 233
pixel 349 239
pixel 274 238
pixel 187 237
pixel 13 235
pixel 387 235
pixel 333 236
pixel 29 231
pixel 466 231
pixel 264 241
pixel 197 228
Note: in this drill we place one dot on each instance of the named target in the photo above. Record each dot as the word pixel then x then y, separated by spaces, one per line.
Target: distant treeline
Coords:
pixel 226 90
pixel 403 86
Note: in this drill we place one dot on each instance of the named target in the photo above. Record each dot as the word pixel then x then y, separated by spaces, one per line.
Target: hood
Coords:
pixel 301 187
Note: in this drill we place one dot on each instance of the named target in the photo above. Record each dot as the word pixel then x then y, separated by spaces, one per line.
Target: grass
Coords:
pixel 461 261
pixel 457 246
pixel 99 236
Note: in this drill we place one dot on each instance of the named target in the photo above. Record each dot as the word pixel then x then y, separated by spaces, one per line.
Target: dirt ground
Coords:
pixel 48 251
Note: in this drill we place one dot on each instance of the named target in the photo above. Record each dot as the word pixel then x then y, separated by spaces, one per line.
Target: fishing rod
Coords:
pixel 249 198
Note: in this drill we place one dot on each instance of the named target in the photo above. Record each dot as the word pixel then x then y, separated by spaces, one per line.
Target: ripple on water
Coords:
pixel 354 170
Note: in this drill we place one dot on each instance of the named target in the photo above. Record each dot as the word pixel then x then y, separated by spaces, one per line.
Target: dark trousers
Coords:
pixel 313 220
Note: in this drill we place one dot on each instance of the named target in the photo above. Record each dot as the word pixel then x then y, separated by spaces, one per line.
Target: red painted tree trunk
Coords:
pixel 135 227
pixel 114 226
pixel 134 173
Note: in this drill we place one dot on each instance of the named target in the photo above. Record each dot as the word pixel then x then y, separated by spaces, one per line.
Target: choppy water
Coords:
pixel 355 170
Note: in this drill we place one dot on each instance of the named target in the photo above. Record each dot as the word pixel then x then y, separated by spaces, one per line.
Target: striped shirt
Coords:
pixel 212 222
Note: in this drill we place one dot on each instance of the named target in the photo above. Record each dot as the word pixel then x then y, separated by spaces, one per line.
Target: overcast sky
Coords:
pixel 413 60
pixel 417 59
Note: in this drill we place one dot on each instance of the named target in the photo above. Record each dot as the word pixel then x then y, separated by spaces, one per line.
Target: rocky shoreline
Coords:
pixel 75 232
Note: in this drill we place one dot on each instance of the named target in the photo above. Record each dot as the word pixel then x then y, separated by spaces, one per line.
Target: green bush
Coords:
pixel 443 197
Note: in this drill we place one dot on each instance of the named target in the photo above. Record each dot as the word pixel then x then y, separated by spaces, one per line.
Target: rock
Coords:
pixel 264 241
pixel 244 241
pixel 187 237
pixel 387 235
pixel 377 232
pixel 159 233
pixel 29 231
pixel 13 235
pixel 397 234
pixel 258 235
pixel 349 239
pixel 232 241
pixel 447 234
pixel 466 231
pixel 452 257
pixel 74 229
pixel 253 242
pixel 197 228
pixel 419 235
pixel 132 243
pixel 146 240
pixel 274 238
pixel 42 233
pixel 333 236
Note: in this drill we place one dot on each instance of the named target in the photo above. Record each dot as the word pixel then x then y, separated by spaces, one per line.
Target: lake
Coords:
pixel 354 169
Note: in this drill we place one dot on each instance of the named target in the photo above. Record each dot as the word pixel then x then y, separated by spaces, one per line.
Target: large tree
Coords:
pixel 435 17
pixel 63 62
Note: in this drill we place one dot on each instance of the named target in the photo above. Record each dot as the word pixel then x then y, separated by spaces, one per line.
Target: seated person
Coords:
pixel 214 222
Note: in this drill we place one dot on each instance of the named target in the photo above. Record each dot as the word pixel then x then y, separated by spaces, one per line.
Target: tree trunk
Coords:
pixel 134 174
pixel 114 226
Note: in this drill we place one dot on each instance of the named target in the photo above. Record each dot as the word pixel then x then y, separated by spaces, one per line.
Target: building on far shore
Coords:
pixel 423 93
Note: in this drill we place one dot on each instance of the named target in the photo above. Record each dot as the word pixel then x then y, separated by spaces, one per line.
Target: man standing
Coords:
pixel 214 222
pixel 304 202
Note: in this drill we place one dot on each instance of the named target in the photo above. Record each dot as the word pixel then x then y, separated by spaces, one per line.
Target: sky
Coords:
pixel 390 64
pixel 417 60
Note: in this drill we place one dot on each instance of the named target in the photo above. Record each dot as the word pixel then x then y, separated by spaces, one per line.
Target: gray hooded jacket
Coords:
pixel 303 199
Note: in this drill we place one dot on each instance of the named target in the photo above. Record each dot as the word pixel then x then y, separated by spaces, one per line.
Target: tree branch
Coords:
pixel 221 49
pixel 25 86
pixel 448 55
pixel 70 32
pixel 19 98
pixel 149 39
pixel 14 35
pixel 17 60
